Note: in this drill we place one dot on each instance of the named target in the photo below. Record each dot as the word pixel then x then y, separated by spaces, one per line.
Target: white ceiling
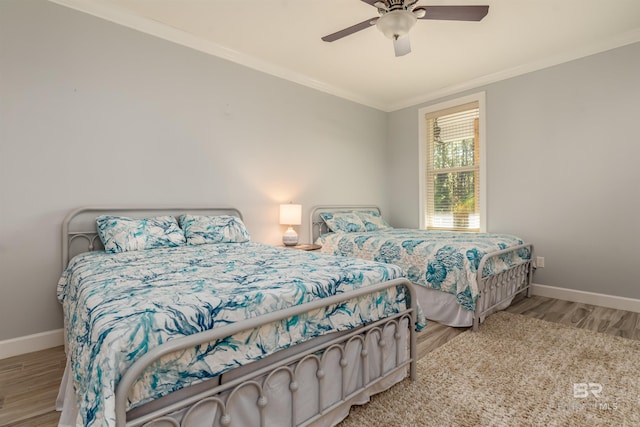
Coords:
pixel 282 37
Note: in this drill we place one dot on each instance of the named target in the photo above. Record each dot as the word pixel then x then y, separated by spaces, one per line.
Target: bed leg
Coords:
pixel 476 322
pixel 413 348
pixel 413 370
pixel 478 310
pixel 530 276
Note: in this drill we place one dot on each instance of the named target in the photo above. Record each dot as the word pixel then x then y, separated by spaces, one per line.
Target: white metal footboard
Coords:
pixel 496 289
pixel 289 379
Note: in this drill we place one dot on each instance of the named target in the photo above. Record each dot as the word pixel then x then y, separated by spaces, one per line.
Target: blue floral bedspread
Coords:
pixel 118 306
pixel 442 260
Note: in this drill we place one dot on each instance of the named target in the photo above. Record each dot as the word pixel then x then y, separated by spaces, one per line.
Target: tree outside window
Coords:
pixel 453 168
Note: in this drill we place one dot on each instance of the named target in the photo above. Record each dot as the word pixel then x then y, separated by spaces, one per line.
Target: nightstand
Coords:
pixel 305 247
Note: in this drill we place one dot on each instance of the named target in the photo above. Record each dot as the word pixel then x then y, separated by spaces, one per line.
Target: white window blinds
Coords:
pixel 453 168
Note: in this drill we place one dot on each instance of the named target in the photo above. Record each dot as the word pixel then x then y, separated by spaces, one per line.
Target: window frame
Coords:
pixel 422 153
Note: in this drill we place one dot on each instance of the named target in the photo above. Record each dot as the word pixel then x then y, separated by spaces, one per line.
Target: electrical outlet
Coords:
pixel 540 262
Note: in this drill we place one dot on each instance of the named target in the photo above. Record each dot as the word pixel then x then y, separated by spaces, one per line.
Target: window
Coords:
pixel 452 159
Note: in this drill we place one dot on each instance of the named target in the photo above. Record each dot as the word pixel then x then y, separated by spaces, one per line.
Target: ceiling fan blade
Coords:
pixel 401 45
pixel 350 30
pixel 454 13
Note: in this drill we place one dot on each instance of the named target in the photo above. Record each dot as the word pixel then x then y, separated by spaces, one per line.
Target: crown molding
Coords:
pixel 122 17
pixel 602 46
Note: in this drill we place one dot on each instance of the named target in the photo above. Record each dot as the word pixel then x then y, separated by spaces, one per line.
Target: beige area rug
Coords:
pixel 516 371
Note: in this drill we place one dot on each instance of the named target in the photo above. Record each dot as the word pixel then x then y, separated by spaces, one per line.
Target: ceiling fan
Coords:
pixel 398 16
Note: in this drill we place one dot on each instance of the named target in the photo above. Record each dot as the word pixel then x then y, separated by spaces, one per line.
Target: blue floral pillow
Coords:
pixel 213 229
pixel 121 234
pixel 346 222
pixel 372 220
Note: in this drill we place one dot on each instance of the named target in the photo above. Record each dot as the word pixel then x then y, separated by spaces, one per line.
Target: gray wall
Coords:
pixel 93 113
pixel 562 158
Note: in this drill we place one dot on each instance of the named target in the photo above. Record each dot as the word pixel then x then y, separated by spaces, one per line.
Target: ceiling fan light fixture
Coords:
pixel 396 24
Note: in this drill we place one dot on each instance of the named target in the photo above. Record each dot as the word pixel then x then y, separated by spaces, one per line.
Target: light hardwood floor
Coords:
pixel 29 383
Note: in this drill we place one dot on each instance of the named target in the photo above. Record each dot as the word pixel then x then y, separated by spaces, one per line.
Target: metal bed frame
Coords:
pixel 493 290
pixel 364 361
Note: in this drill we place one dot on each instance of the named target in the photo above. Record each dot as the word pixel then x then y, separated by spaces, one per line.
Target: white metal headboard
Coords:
pixel 319 227
pixel 80 234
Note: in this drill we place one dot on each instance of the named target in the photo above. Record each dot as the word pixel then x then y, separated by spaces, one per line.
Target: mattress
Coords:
pixel 441 260
pixel 118 306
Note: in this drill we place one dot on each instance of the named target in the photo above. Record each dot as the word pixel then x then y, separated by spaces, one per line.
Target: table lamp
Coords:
pixel 290 215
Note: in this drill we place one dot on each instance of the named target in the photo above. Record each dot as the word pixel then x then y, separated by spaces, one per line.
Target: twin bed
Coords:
pixel 459 278
pixel 181 320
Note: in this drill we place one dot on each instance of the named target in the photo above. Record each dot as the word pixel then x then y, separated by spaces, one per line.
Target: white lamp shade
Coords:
pixel 396 24
pixel 290 214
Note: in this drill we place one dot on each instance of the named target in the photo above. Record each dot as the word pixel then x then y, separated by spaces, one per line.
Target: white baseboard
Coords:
pixel 31 343
pixel 603 300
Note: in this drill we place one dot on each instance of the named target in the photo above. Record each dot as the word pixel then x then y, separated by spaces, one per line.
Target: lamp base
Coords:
pixel 290 237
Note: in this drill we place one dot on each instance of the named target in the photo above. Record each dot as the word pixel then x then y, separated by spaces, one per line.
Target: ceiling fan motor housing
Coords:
pixel 399 4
